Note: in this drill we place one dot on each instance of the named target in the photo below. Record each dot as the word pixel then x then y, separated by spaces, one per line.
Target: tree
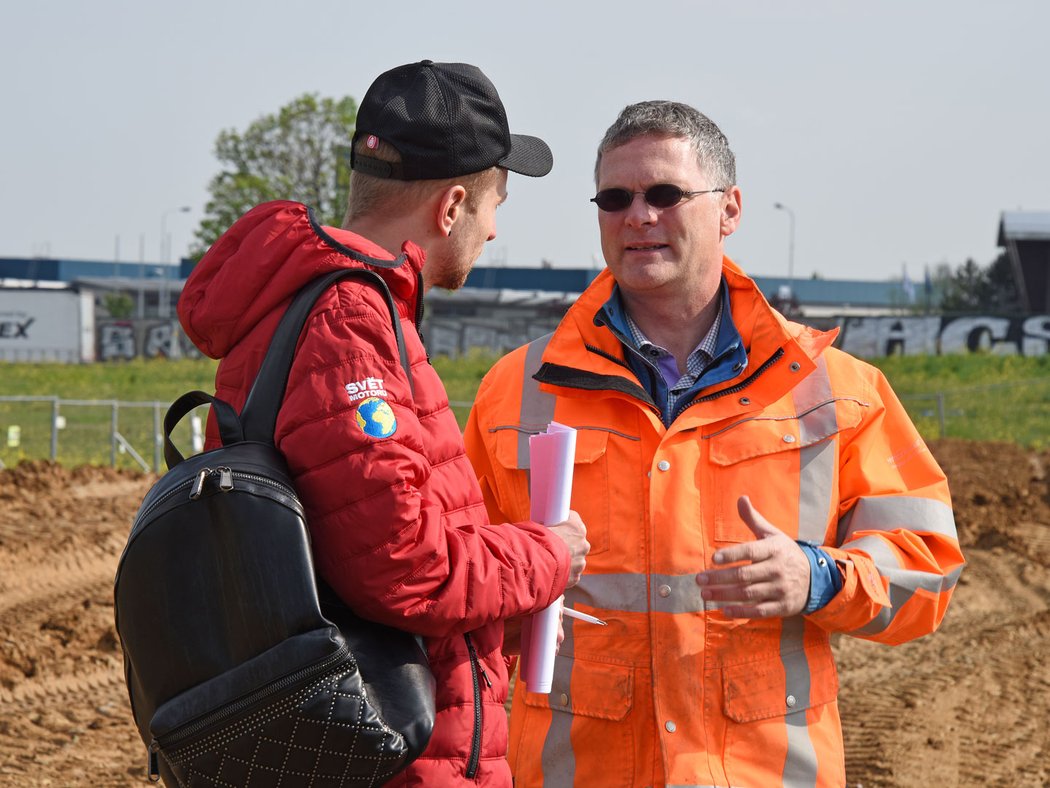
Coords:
pixel 298 153
pixel 118 305
pixel 964 288
pixel 971 287
pixel 1002 285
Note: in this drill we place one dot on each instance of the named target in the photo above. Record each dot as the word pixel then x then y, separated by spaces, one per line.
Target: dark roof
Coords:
pixel 1024 226
pixel 850 292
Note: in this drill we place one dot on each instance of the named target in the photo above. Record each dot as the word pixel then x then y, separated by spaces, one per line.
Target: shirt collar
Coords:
pixel 705 348
pixel 615 316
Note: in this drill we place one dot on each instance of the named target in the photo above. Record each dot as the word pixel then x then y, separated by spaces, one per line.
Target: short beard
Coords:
pixel 450 280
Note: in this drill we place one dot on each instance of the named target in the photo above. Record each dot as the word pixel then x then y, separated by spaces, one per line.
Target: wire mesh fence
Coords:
pixel 92 432
pixel 130 434
pixel 1015 412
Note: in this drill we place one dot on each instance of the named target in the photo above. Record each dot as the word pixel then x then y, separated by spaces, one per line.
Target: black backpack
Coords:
pixel 242 667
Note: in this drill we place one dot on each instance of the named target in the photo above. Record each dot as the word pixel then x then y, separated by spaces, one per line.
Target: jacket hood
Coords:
pixel 265 258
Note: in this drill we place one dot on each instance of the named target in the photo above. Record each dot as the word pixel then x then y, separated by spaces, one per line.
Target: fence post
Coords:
pixel 157 438
pixel 54 429
pixel 113 437
pixel 940 413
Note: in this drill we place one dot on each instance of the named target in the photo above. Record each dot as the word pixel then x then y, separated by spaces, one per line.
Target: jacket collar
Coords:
pixel 584 356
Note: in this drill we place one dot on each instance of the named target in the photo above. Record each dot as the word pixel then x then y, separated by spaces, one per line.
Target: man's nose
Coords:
pixel 639 212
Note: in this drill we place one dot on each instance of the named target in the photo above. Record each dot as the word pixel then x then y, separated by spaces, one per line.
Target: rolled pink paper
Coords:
pixel 551 455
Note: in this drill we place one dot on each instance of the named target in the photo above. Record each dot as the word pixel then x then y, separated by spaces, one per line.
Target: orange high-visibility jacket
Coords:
pixel 672 692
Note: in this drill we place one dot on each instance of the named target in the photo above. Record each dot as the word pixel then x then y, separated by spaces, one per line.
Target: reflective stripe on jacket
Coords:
pixel 672 692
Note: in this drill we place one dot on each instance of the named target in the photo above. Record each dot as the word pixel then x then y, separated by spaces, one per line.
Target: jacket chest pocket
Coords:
pixel 590 479
pixel 787 465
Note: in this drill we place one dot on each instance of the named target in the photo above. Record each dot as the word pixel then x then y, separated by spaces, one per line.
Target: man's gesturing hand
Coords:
pixel 772 581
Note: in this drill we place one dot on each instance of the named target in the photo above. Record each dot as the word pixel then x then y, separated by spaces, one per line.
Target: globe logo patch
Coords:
pixel 376 418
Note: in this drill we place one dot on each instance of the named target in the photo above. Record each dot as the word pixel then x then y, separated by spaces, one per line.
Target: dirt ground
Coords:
pixel 967 706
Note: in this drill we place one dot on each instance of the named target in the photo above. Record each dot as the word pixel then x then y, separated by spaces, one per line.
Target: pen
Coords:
pixel 568 611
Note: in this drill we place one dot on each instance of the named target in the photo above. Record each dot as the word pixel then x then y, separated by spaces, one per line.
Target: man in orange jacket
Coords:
pixel 748 490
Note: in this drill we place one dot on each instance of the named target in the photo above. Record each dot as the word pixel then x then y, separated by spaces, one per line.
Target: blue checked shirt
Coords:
pixel 700 359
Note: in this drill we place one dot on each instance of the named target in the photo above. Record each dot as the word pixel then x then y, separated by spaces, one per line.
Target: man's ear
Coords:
pixel 449 208
pixel 731 209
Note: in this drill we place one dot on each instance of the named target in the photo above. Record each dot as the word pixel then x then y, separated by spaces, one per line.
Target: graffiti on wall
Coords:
pixel 123 340
pixel 871 337
pixel 868 337
pixel 456 336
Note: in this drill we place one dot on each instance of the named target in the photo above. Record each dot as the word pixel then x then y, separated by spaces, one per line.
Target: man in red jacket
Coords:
pixel 396 515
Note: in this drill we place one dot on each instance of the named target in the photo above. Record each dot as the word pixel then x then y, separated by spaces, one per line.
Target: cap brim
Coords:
pixel 528 156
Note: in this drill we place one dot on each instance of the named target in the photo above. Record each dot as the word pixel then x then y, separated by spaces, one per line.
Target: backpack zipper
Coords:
pixel 181 487
pixel 198 483
pixel 171 740
pixel 196 488
pixel 475 671
pixel 153 762
pixel 226 476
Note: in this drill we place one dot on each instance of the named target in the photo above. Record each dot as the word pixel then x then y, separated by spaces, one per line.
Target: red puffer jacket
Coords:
pixel 396 515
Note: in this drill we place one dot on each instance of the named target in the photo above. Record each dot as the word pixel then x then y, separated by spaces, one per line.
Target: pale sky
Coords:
pixel 897 132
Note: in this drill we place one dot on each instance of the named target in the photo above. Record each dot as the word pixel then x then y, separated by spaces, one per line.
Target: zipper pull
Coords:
pixel 225 479
pixel 475 660
pixel 198 484
pixel 153 766
pixel 424 344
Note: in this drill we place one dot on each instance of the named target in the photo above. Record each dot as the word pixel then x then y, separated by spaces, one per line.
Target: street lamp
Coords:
pixel 163 306
pixel 165 248
pixel 791 243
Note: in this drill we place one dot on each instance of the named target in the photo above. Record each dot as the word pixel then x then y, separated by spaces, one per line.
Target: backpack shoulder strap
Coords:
pixel 259 415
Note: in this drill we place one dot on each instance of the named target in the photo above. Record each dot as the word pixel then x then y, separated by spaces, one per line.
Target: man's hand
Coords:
pixel 773 581
pixel 513 632
pixel 574 533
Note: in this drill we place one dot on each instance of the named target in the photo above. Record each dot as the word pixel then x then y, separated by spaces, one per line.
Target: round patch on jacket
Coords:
pixel 376 418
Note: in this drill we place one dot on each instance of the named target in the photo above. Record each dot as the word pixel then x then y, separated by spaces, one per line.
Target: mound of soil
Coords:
pixel 966 706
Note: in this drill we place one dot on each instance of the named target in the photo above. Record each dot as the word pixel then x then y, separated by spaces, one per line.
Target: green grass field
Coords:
pixel 977 397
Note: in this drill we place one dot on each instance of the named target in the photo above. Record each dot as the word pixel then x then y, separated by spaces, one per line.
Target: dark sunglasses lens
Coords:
pixel 612 199
pixel 663 195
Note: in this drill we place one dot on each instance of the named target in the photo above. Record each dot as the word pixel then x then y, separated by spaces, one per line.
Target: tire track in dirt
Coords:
pixel 84 683
pixel 64 713
pixel 966 705
pixel 1006 666
pixel 40 586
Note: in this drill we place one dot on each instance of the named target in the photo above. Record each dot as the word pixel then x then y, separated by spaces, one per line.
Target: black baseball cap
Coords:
pixel 446 120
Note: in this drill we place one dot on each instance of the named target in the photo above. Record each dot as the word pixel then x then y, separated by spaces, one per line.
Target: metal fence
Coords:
pixel 1015 412
pixel 92 432
pixel 130 434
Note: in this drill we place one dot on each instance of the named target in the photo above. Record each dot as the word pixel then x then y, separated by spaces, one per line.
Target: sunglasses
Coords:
pixel 662 195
